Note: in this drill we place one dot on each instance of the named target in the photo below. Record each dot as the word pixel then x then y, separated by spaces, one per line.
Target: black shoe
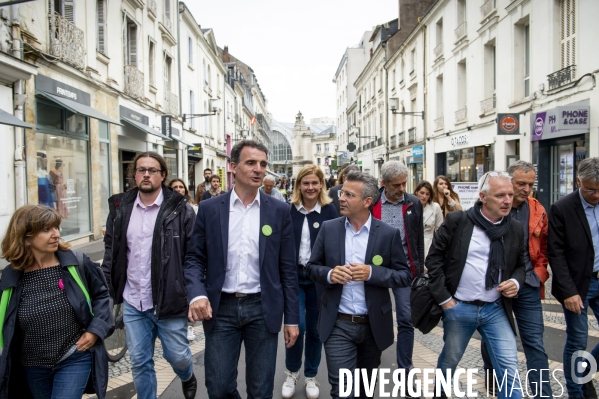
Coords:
pixel 190 387
pixel 588 390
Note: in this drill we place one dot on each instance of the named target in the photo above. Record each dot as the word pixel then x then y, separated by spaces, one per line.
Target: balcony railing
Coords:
pixel 439 50
pixel 411 135
pixel 486 8
pixel 460 31
pixel 439 123
pixel 487 105
pixel 171 103
pixel 460 115
pixel 562 77
pixel 67 41
pixel 401 141
pixel 168 24
pixel 134 82
pixel 152 6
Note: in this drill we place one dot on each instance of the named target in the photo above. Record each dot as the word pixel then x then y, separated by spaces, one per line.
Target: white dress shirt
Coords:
pixel 353 296
pixel 243 254
pixel 305 249
pixel 472 282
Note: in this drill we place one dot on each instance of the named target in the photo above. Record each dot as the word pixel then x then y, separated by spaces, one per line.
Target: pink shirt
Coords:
pixel 138 289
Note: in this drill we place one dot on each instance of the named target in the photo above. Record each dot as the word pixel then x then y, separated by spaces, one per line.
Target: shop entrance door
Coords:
pixel 126 159
pixel 564 161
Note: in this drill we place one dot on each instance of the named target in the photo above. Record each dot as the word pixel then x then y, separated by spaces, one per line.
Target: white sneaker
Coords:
pixel 289 384
pixel 312 391
pixel 191 334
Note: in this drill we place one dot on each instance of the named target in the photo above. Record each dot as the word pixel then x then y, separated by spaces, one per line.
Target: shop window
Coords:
pixel 469 164
pixel 170 156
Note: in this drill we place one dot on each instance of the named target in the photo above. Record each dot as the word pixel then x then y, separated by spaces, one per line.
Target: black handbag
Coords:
pixel 426 313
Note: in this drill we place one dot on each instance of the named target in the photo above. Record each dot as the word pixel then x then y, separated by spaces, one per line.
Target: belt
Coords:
pixel 354 319
pixel 241 294
pixel 475 303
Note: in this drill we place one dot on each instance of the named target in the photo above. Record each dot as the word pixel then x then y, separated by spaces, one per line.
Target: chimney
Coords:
pixel 226 54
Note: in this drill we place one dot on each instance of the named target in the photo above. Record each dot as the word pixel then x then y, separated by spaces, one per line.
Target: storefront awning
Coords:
pixel 144 128
pixel 11 120
pixel 180 140
pixel 78 108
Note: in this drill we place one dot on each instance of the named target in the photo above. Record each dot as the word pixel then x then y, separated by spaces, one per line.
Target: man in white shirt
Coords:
pixel 476 265
pixel 241 274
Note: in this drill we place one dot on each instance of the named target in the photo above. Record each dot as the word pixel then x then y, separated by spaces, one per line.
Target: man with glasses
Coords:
pixel 147 234
pixel 574 258
pixel 356 259
pixel 527 305
pixel 476 265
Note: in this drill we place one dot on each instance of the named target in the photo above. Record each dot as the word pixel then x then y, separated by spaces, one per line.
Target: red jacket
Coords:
pixel 538 231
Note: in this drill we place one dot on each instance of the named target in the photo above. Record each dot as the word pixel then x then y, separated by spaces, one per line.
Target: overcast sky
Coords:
pixel 293 47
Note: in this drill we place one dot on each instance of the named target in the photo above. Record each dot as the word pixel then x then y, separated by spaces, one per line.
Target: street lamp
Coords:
pixel 213 110
pixel 393 106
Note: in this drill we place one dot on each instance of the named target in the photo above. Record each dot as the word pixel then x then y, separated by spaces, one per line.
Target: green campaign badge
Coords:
pixel 266 230
pixel 377 260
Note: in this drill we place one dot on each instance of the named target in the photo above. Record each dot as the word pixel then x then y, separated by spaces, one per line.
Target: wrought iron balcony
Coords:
pixel 439 123
pixel 67 41
pixel 411 135
pixel 460 115
pixel 134 82
pixel 487 105
pixel 562 77
pixel 171 103
pixel 439 50
pixel 152 6
pixel 487 7
pixel 460 31
pixel 401 141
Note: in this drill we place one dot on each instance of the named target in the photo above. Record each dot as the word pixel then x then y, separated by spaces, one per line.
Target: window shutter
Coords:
pixel 568 33
pixel 101 26
pixel 167 9
pixel 132 29
pixel 68 10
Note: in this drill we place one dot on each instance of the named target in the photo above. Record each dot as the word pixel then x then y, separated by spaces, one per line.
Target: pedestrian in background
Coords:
pixel 180 186
pixel 444 195
pixel 310 208
pixel 268 188
pixel 404 212
pixel 200 190
pixel 207 176
pixel 147 234
pixel 573 252
pixel 215 190
pixel 432 217
pixel 334 191
pixel 53 330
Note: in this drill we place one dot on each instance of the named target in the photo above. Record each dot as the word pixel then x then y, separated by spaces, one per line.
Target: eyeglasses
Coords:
pixel 151 171
pixel 588 190
pixel 492 174
pixel 346 193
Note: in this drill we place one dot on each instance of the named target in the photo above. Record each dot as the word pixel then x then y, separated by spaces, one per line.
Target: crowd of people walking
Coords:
pixel 320 259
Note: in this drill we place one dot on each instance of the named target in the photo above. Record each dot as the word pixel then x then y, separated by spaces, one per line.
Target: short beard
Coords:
pixel 207 179
pixel 149 190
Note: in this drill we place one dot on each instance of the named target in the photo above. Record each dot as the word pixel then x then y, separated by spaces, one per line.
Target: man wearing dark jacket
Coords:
pixel 147 234
pixel 334 191
pixel 476 265
pixel 403 211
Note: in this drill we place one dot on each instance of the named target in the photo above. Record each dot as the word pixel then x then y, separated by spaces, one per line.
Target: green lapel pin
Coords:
pixel 377 260
pixel 266 230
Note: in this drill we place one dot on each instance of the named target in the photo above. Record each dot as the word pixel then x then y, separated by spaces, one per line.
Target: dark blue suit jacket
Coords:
pixel 206 260
pixel 329 251
pixel 327 212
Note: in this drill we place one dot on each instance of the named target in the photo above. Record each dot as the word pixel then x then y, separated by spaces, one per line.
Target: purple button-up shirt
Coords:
pixel 138 289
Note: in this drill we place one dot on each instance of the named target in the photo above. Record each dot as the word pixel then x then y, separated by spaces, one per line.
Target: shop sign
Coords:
pixel 562 121
pixel 508 124
pixel 196 150
pixel 134 115
pixel 417 155
pixel 167 122
pixel 468 193
pixel 461 139
pixel 48 85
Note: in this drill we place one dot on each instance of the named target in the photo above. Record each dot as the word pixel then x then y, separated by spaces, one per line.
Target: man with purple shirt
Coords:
pixel 147 234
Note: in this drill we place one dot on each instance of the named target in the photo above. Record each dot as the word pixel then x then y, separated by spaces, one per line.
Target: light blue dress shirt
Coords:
pixel 353 297
pixel 592 214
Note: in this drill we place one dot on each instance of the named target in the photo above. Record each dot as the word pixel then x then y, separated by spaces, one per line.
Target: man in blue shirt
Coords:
pixel 573 253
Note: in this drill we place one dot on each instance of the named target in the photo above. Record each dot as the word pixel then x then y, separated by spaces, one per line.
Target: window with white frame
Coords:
pixel 192 109
pixel 152 62
pixel 101 26
pixel 568 33
pixel 190 50
pixel 168 64
pixel 527 60
pixel 130 42
pixel 66 8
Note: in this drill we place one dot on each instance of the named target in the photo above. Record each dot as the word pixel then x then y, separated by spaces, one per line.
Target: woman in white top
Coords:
pixel 432 215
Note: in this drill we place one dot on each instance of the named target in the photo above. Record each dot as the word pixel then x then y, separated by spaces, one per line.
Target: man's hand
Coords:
pixel 508 289
pixel 341 275
pixel 86 341
pixel 200 310
pixel 359 271
pixel 291 334
pixel 449 305
pixel 574 304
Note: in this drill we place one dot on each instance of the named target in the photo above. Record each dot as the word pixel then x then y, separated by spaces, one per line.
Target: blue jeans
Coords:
pixel 529 316
pixel 350 346
pixel 66 380
pixel 405 331
pixel 240 320
pixel 577 332
pixel 309 326
pixel 491 321
pixel 142 330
